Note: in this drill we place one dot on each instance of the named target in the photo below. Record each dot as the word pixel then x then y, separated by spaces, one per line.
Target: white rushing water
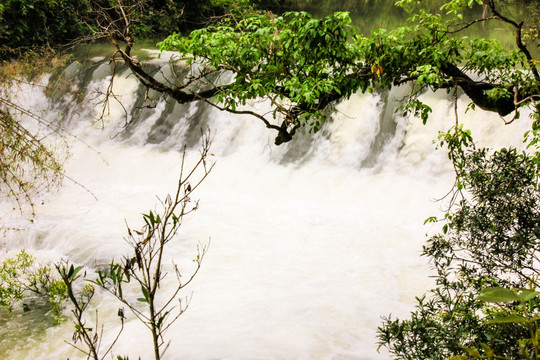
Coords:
pixel 311 242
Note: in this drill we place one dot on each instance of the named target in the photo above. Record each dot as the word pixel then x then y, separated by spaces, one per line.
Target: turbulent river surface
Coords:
pixel 311 242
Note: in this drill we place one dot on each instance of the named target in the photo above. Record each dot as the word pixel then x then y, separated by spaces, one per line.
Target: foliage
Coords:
pixel 144 269
pixel 21 276
pixel 31 161
pixel 489 239
pixel 293 57
pixel 31 66
pixel 27 24
pixel 27 165
pixel 303 65
pixel 522 312
pixel 156 306
pixel 32 24
pixel 80 300
pixel 162 18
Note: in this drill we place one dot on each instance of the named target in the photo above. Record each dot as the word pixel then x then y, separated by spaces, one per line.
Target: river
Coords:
pixel 311 242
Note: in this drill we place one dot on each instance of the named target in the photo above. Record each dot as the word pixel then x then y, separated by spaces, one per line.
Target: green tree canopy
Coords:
pixel 28 24
pixel 33 24
pixel 301 65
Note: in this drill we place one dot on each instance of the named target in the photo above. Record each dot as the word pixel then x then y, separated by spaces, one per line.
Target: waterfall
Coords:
pixel 311 242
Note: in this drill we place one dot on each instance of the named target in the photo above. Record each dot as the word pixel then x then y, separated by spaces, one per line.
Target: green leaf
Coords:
pixel 445 228
pixel 526 295
pixel 120 292
pixel 508 319
pixel 472 352
pixel 489 351
pixel 145 293
pixel 430 219
pixel 498 294
pixel 72 274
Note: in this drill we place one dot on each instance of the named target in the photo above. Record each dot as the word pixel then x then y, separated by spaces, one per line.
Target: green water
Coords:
pixel 31 328
pixel 365 14
pixel 368 15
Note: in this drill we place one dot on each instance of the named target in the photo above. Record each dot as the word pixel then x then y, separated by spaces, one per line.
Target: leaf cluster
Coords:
pixel 155 306
pixel 22 277
pixel 490 239
pixel 293 60
pixel 27 165
pixel 518 307
pixel 30 24
pixel 303 65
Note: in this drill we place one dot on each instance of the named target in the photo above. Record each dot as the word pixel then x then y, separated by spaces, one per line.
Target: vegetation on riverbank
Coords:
pixel 485 302
pixel 32 25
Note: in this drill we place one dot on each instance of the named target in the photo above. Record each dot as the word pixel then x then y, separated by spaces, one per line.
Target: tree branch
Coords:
pixel 518 28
